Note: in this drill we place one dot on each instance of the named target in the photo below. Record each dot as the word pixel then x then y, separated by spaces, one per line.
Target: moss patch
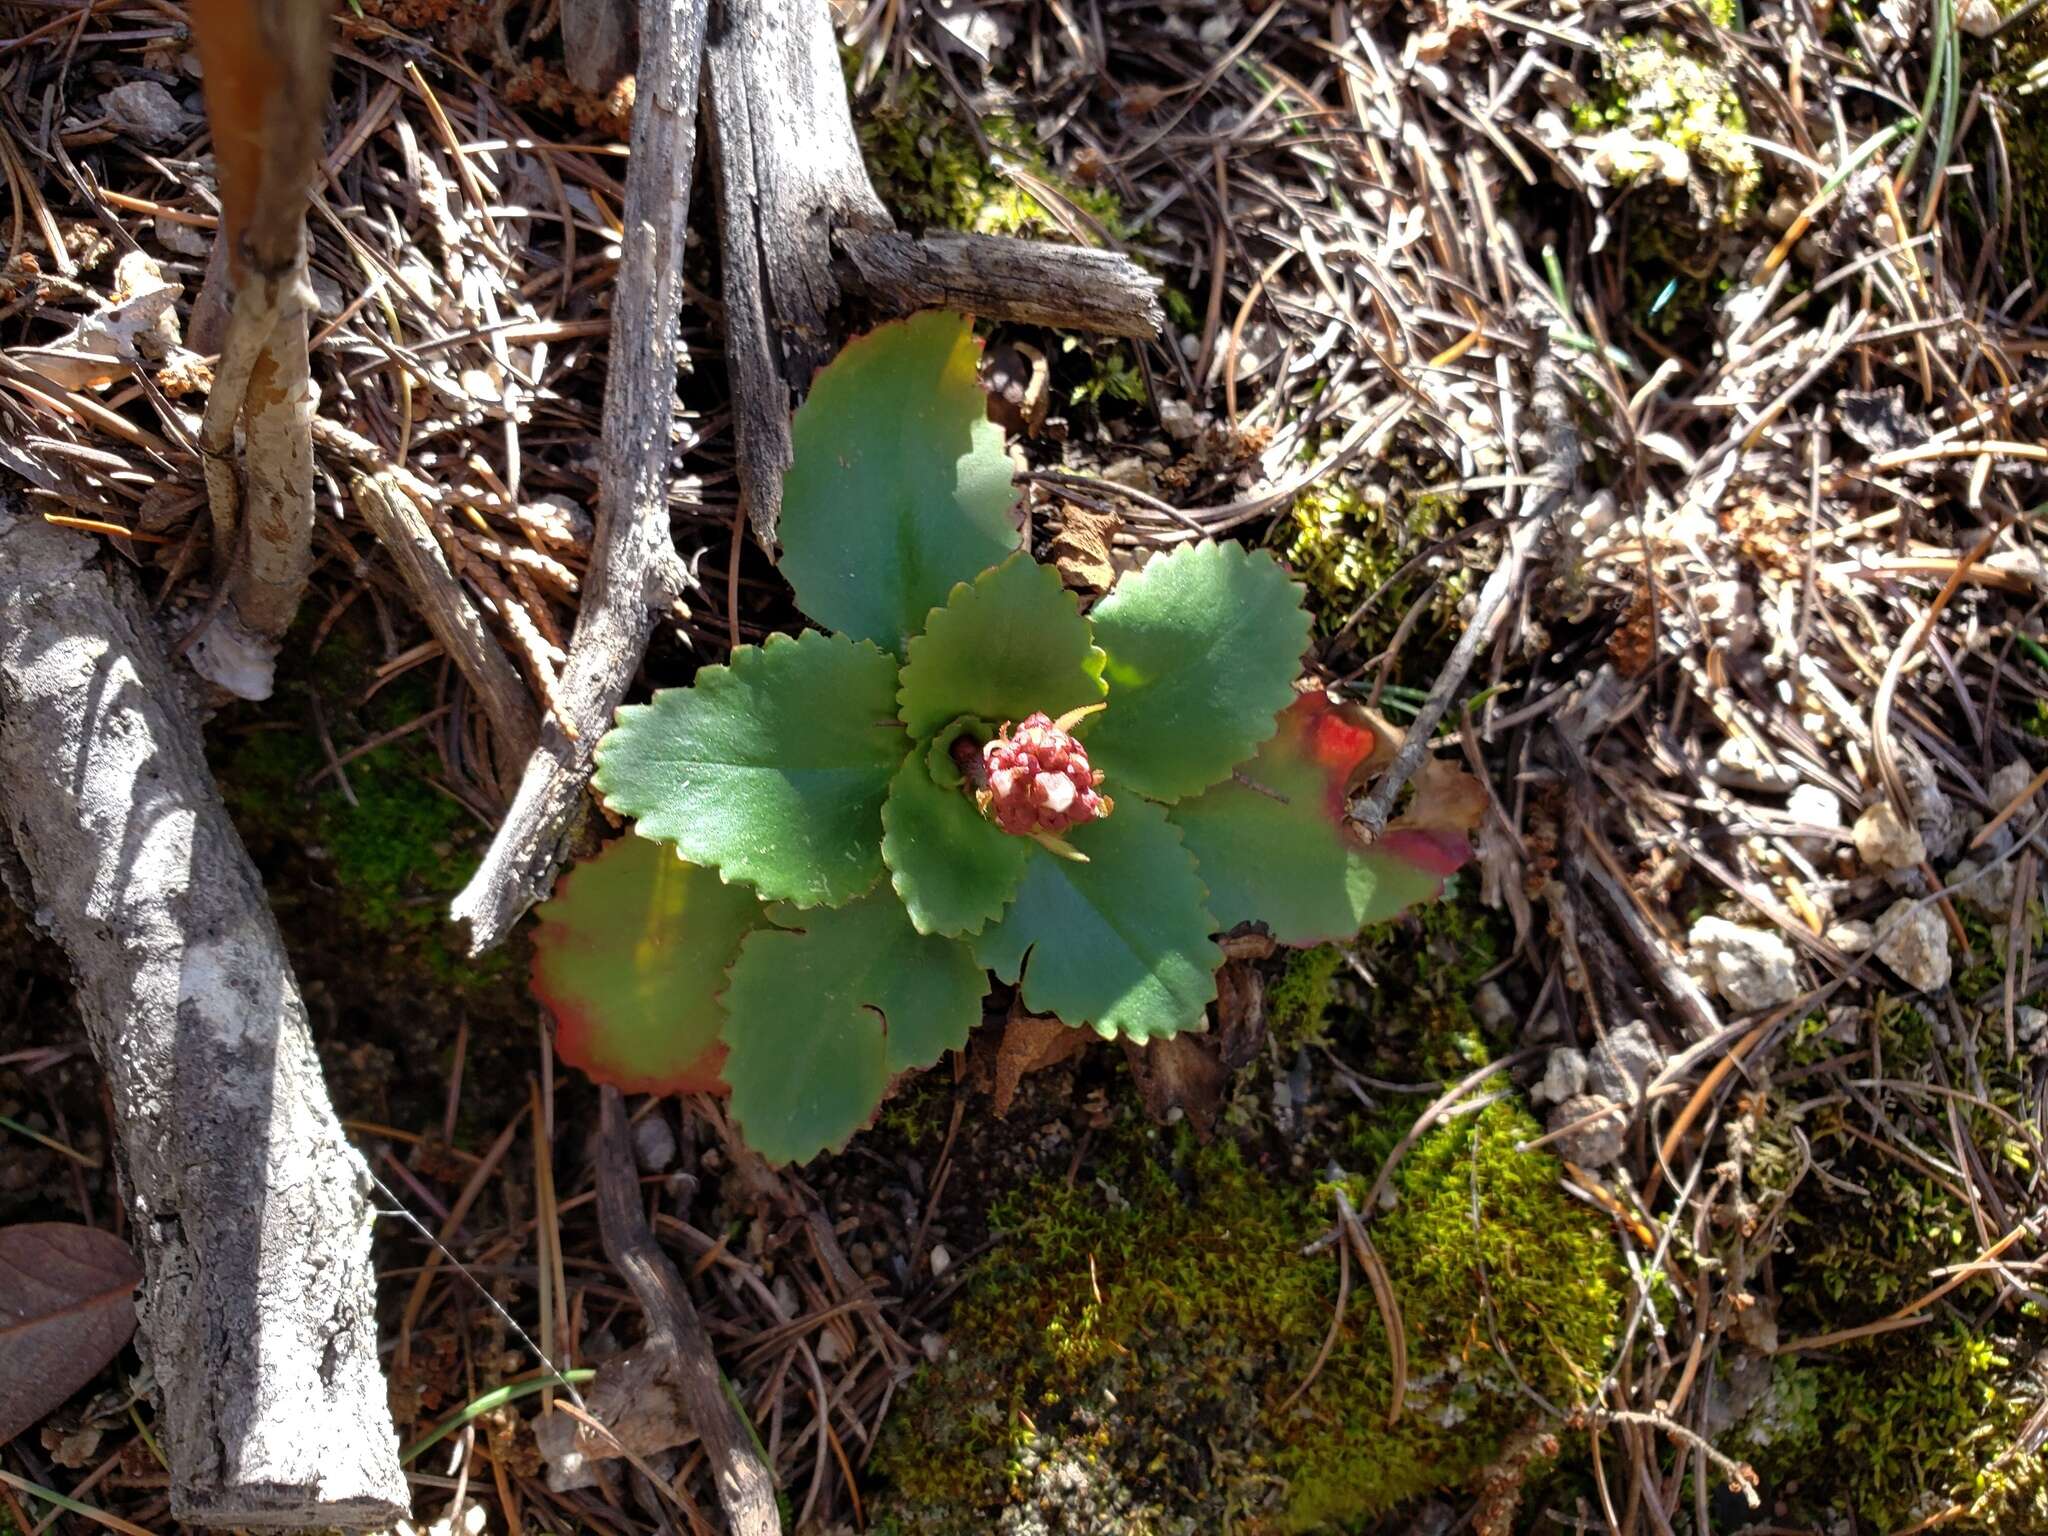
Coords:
pixel 1912 1426
pixel 1349 535
pixel 1927 1420
pixel 1126 1358
pixel 930 169
pixel 1656 87
pixel 390 861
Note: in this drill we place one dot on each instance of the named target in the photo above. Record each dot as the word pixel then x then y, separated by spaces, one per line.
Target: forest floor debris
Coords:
pixel 1758 914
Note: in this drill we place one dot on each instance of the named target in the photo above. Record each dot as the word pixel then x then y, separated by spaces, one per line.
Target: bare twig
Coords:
pixel 745 1486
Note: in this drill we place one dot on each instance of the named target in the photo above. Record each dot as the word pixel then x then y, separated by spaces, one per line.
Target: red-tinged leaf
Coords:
pixel 67 1305
pixel 630 957
pixel 1273 843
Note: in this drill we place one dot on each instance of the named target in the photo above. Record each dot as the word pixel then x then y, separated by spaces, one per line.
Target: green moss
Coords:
pixel 396 855
pixel 1911 1425
pixel 1655 87
pixel 1299 998
pixel 1143 1331
pixel 1348 535
pixel 929 168
pixel 1917 1421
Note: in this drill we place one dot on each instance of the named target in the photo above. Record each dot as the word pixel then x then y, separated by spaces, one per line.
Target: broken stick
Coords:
pixel 745 1485
pixel 250 1209
pixel 633 573
pixel 1026 282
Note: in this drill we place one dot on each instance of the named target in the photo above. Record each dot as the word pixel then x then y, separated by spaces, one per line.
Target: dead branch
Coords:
pixel 258 1314
pixel 1025 282
pixel 633 573
pixel 745 1486
pixel 788 172
pixel 266 66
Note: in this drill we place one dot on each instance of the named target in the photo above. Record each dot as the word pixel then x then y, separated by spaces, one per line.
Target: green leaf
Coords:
pixel 1007 643
pixel 952 867
pixel 1274 846
pixel 820 1017
pixel 900 485
pixel 1204 645
pixel 630 957
pixel 1120 942
pixel 771 770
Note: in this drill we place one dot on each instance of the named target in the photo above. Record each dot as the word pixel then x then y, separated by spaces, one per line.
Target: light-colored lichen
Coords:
pixel 1657 89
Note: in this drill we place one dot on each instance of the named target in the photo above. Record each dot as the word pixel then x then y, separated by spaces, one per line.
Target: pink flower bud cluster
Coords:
pixel 1039 780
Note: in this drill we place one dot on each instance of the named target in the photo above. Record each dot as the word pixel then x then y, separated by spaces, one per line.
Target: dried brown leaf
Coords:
pixel 66 1307
pixel 1081 550
pixel 1031 1043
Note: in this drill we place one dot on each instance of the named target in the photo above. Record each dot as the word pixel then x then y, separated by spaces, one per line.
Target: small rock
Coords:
pixel 1564 1077
pixel 933 1346
pixel 2006 785
pixel 830 1349
pixel 1594 1144
pixel 1941 827
pixel 145 110
pixel 1179 419
pixel 941 1260
pixel 2030 1028
pixel 1491 1007
pixel 1753 969
pixel 1979 18
pixel 1990 890
pixel 1884 841
pixel 1915 945
pixel 654 1143
pixel 183 239
pixel 1623 1064
pixel 1845 1022
pixel 1728 613
pixel 1853 936
pixel 327 294
pixel 1814 805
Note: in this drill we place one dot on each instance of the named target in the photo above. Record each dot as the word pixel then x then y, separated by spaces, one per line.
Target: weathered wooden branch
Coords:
pixel 1026 282
pixel 746 1488
pixel 422 563
pixel 787 168
pixel 632 575
pixel 250 1209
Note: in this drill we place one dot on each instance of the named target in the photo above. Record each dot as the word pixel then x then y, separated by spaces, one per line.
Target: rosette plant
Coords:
pixel 841 833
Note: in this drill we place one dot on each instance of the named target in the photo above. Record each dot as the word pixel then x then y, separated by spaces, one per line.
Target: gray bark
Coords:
pixel 1026 282
pixel 788 171
pixel 250 1209
pixel 633 571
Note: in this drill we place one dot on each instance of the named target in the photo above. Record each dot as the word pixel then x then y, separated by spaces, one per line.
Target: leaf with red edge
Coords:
pixel 631 956
pixel 1273 843
pixel 67 1305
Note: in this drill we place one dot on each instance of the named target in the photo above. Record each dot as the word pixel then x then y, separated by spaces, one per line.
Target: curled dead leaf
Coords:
pixel 1031 1043
pixel 1081 551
